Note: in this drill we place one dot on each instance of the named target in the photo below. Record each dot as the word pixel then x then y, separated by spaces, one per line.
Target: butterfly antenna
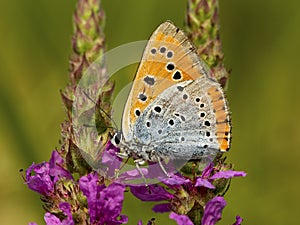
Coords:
pixel 105 113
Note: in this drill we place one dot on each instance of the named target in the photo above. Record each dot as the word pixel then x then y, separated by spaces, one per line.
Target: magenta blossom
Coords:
pixel 104 203
pixel 42 177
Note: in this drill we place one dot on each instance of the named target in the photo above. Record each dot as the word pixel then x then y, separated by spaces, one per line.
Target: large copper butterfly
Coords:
pixel 175 109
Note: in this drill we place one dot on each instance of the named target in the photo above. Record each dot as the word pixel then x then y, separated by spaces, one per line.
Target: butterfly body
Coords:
pixel 175 110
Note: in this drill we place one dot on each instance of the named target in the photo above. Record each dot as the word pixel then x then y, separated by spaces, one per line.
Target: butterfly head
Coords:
pixel 117 138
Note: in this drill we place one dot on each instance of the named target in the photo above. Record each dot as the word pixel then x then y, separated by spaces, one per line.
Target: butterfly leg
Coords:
pixel 158 159
pixel 123 155
pixel 139 162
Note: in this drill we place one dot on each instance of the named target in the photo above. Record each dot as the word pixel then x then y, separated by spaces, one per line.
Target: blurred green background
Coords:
pixel 261 42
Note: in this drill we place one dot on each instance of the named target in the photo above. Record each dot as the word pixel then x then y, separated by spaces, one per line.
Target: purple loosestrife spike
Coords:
pixel 202 22
pixel 88 44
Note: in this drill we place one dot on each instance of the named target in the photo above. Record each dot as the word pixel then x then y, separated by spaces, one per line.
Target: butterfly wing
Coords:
pixel 189 120
pixel 169 58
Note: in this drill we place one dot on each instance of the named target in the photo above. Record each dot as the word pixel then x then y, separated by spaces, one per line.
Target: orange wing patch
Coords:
pixel 223 127
pixel 161 78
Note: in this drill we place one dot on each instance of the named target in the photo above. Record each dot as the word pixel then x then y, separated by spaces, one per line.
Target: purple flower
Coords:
pixel 238 220
pixel 42 177
pixel 51 219
pixel 180 219
pixel 213 211
pixel 104 203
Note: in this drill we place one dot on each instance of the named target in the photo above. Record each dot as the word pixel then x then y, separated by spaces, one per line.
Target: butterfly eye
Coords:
pixel 116 140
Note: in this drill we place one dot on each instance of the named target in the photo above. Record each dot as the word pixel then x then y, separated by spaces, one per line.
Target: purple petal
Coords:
pixel 32 223
pixel 180 219
pixel 238 220
pixel 228 174
pixel 213 211
pixel 38 179
pixel 56 167
pixel 90 188
pixel 110 159
pixel 208 170
pixel 132 175
pixel 204 183
pixel 55 159
pixel 150 193
pixel 42 177
pixel 104 203
pixel 111 199
pixel 174 180
pixel 162 208
pixel 140 222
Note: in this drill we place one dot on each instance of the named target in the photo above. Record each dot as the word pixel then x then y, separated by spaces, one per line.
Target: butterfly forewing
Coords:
pixel 169 58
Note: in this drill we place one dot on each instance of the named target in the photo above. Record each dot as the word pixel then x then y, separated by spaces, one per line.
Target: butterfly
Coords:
pixel 175 110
